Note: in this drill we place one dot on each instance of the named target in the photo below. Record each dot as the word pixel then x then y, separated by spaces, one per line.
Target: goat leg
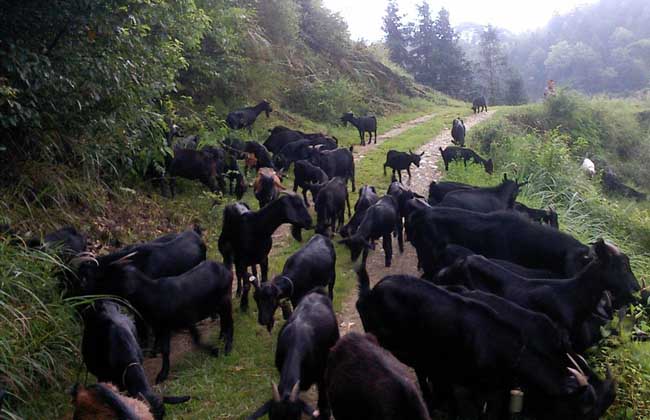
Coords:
pixel 226 323
pixel 323 401
pixel 388 249
pixel 164 339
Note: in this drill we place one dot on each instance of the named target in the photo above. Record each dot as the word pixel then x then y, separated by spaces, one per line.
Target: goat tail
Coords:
pixel 441 151
pixel 176 400
pixel 351 149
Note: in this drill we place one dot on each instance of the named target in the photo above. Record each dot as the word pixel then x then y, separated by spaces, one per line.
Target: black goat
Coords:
pixel 331 198
pixel 364 381
pixel 548 217
pixel 437 190
pixel 451 153
pixel 380 221
pixel 612 184
pixel 67 241
pixel 111 353
pixel 458 132
pixel 245 117
pixel 367 197
pixel 311 266
pixel 339 162
pixel 484 200
pixel 262 156
pixel 569 302
pixel 399 161
pixel 566 407
pixel 297 150
pixel 168 304
pixel 306 173
pixel 304 343
pixel 267 186
pixel 507 236
pixel 479 104
pixel 170 255
pixel 451 340
pixel 363 124
pixel 193 165
pixel 281 136
pixel 246 237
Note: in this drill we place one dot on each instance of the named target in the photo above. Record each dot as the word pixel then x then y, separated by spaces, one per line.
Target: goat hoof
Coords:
pixel 214 351
pixel 160 379
pixel 227 349
pixel 387 264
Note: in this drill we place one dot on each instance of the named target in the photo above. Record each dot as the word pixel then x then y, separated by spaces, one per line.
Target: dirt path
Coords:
pixel 361 151
pixel 405 263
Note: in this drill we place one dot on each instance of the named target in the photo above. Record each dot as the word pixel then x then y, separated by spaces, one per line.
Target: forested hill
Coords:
pixel 98 83
pixel 600 48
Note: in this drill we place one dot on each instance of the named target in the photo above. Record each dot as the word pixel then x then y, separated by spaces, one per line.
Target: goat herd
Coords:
pixel 493 328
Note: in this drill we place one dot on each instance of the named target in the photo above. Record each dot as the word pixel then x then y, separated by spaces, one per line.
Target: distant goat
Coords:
pixel 367 197
pixel 380 221
pixel 339 162
pixel 399 161
pixel 451 153
pixel 548 217
pixel 458 132
pixel 363 124
pixel 479 104
pixel 306 173
pixel 588 167
pixel 245 117
pixel 331 198
pixel 267 186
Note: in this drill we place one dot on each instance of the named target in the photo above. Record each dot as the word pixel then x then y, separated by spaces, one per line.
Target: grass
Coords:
pixel 227 387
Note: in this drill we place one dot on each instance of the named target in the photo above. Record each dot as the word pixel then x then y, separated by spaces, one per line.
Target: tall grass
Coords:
pixel 39 333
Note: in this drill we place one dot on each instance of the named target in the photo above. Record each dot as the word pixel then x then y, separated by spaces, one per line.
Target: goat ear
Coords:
pixel 601 249
pixel 260 411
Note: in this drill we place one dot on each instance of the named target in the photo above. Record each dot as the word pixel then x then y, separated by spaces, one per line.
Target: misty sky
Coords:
pixel 364 16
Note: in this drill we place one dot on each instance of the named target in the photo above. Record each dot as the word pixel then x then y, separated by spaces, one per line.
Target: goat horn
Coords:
pixel 608 298
pixel 125 259
pixel 582 379
pixel 582 359
pixel 294 392
pixel 575 364
pixel 276 393
pixel 75 262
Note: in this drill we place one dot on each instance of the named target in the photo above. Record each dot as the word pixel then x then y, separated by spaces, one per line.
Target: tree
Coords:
pixel 515 93
pixel 492 65
pixel 452 71
pixel 424 46
pixel 396 34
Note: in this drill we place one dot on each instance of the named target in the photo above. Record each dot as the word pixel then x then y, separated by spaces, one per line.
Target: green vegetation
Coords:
pixel 545 144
